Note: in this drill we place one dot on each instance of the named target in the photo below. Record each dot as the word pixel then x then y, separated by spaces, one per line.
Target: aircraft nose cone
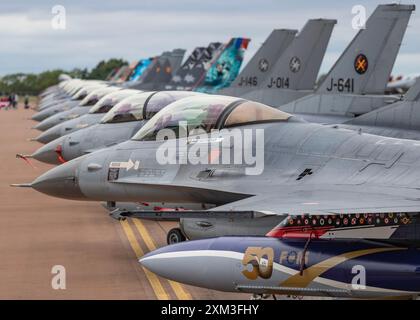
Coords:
pixel 43 114
pixel 39 116
pixel 35 117
pixel 49 135
pixel 41 126
pixel 48 123
pixel 61 182
pixel 49 152
pixel 192 262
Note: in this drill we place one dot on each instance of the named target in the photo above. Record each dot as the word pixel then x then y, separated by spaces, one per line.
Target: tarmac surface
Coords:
pixel 99 254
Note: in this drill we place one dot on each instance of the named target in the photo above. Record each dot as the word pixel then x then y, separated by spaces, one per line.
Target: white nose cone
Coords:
pixel 212 269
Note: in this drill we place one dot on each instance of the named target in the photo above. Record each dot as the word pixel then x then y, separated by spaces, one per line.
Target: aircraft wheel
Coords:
pixel 175 235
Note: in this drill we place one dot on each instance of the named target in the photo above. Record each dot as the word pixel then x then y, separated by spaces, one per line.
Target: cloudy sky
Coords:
pixel 132 29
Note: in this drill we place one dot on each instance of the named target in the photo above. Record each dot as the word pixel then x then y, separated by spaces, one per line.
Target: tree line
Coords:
pixel 33 84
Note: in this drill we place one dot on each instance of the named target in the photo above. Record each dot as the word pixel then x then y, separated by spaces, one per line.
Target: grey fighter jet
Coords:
pixel 63 90
pixel 399 120
pixel 94 115
pixel 82 108
pixel 80 92
pixel 118 125
pixel 245 158
pixel 50 97
pixel 316 32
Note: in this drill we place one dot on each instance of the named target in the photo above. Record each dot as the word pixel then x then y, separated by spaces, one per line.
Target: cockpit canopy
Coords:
pixel 163 98
pixel 208 112
pixel 143 106
pixel 128 109
pixel 80 94
pixel 93 97
pixel 108 101
pixel 84 88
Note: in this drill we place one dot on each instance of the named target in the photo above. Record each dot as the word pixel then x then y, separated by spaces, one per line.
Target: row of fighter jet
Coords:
pixel 280 188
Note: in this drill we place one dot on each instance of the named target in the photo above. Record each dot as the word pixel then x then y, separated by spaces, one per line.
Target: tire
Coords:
pixel 175 235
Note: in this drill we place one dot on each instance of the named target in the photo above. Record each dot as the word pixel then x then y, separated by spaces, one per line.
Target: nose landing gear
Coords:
pixel 175 235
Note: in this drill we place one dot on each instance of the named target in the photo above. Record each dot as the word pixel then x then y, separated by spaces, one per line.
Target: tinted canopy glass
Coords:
pixel 163 98
pixel 93 97
pixel 250 112
pixel 206 113
pixel 128 109
pixel 80 94
pixel 108 101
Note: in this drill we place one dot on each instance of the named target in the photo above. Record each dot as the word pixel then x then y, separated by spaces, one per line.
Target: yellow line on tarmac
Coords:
pixel 179 290
pixel 153 279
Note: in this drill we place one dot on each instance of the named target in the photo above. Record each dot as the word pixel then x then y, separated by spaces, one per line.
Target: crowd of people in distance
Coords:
pixel 11 101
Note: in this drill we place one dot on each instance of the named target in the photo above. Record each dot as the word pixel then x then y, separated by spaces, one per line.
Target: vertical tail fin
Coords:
pixel 163 72
pixel 225 67
pixel 127 72
pixel 163 68
pixel 299 65
pixel 153 69
pixel 366 64
pixel 147 75
pixel 175 59
pixel 264 59
pixel 117 76
pixel 179 75
pixel 111 74
pixel 197 72
pixel 139 69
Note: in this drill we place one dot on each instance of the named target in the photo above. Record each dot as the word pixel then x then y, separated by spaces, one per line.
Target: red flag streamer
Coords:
pixel 59 151
pixel 25 158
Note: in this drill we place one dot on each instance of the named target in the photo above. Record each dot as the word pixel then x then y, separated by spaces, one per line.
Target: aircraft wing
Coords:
pixel 327 200
pixel 312 200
